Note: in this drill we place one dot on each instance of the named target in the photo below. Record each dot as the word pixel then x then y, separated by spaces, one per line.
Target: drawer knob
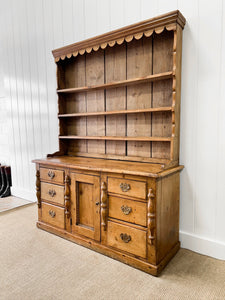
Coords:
pixel 126 209
pixel 52 193
pixel 125 237
pixel 51 174
pixel 125 187
pixel 51 213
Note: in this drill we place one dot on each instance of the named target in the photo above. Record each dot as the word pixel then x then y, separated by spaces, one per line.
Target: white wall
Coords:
pixel 30 29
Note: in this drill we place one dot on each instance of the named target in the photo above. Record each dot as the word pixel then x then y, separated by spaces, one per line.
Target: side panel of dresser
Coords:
pixel 167 215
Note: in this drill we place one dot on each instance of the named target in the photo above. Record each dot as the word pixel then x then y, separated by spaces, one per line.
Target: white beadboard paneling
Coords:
pixel 209 46
pixel 31 29
pixel 149 9
pixel 103 17
pixel 34 78
pixel 116 8
pixel 19 85
pixel 90 10
pixel 132 11
pixel 78 20
pixel 57 23
pixel 219 202
pixel 27 132
pixel 15 152
pixel 42 80
pixel 51 73
pixel 164 6
pixel 4 104
pixel 67 21
pixel 189 105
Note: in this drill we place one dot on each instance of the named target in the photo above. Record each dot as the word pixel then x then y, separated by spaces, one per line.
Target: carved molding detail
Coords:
pixel 119 41
pixel 57 153
pixel 38 189
pixel 151 217
pixel 103 205
pixel 67 196
pixel 167 21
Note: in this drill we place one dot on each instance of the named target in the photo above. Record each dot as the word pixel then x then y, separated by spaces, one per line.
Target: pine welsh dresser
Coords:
pixel 113 186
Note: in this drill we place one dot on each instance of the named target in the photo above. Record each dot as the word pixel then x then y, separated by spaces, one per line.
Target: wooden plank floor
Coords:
pixel 12 202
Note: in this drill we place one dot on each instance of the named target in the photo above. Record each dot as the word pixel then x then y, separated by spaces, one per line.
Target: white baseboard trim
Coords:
pixel 25 194
pixel 202 245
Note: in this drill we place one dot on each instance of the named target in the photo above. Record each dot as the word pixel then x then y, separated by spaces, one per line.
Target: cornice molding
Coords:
pixel 167 21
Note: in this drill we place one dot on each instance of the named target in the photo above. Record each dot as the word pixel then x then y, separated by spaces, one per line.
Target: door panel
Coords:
pixel 85 205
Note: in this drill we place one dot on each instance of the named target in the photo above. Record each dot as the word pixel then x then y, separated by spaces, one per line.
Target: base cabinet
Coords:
pixel 131 218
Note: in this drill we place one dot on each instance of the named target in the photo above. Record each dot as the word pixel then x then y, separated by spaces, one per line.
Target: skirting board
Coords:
pixel 25 194
pixel 202 245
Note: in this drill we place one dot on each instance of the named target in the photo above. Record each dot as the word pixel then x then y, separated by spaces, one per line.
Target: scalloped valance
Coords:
pixel 167 21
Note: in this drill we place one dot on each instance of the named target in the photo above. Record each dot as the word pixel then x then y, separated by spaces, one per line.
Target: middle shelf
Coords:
pixel 118 138
pixel 117 112
pixel 127 82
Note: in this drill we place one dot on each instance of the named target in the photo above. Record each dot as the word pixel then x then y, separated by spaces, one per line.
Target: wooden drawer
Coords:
pixel 52 175
pixel 127 238
pixel 126 187
pixel 127 210
pixel 52 214
pixel 52 192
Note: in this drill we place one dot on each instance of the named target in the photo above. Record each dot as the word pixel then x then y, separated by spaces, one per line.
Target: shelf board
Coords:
pixel 118 138
pixel 117 112
pixel 150 78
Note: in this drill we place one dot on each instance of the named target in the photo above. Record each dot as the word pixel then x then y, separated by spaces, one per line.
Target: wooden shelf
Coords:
pixel 118 138
pixel 116 112
pixel 150 78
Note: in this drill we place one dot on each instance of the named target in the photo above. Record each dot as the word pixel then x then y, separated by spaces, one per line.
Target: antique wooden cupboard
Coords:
pixel 113 186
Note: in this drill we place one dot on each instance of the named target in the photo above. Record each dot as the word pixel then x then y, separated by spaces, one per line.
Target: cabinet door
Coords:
pixel 85 205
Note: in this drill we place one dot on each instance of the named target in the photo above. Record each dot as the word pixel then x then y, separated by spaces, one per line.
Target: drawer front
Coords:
pixel 127 238
pixel 127 210
pixel 52 192
pixel 52 175
pixel 52 214
pixel 126 187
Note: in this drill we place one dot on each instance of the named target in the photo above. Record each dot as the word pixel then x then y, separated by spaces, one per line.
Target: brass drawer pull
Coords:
pixel 52 193
pixel 51 213
pixel 125 237
pixel 51 174
pixel 125 187
pixel 126 209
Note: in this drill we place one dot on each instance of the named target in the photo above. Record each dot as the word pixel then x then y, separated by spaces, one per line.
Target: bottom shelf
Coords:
pixel 118 138
pixel 165 163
